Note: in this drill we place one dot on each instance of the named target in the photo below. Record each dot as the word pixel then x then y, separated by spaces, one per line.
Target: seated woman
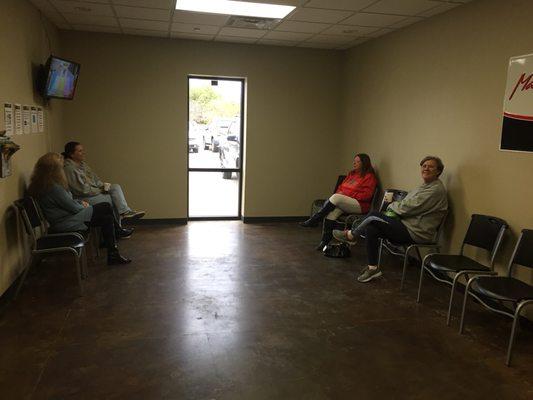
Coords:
pixel 353 196
pixel 64 214
pixel 86 185
pixel 415 219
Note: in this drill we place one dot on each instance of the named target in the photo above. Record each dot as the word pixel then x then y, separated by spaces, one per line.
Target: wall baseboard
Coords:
pixel 256 220
pixel 157 221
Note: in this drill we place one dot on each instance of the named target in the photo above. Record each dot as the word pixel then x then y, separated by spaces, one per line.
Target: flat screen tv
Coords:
pixel 61 78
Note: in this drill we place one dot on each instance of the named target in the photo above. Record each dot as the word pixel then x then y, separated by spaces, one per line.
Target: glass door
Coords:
pixel 215 137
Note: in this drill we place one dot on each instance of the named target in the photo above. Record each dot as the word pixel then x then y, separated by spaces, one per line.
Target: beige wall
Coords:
pixel 23 46
pixel 437 88
pixel 130 111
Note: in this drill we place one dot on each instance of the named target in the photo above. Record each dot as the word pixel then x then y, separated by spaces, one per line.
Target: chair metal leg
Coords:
pixel 405 260
pixel 419 295
pixel 380 252
pixel 84 268
pixel 454 284
pixel 78 270
pixel 516 324
pixel 463 312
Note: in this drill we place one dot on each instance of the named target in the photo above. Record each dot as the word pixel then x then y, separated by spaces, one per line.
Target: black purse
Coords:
pixel 340 250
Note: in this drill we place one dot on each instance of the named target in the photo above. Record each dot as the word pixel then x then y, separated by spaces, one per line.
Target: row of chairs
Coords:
pixel 504 295
pixel 45 243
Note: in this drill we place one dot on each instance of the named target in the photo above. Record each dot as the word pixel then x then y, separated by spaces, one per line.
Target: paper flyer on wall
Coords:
pixel 8 118
pixel 18 119
pixel 34 123
pixel 26 119
pixel 40 118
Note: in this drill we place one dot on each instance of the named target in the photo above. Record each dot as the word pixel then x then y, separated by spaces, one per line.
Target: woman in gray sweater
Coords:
pixel 415 219
pixel 64 214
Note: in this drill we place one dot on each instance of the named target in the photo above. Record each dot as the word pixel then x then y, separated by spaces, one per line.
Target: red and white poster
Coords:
pixel 517 129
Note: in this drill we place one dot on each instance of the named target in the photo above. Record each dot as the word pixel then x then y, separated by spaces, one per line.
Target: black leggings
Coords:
pixel 378 226
pixel 103 217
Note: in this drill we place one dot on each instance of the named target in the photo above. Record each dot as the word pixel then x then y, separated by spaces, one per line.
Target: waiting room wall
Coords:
pixel 130 112
pixel 437 87
pixel 23 45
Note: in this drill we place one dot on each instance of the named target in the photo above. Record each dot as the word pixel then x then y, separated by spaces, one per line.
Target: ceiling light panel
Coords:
pixel 235 8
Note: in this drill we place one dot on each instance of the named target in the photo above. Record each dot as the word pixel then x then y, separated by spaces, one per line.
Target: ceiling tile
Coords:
pixel 404 7
pixel 181 35
pixel 144 32
pixel 235 39
pixel 270 42
pixel 336 39
pixel 380 32
pixel 90 20
pixel 96 28
pixel 200 18
pixel 349 30
pixel 83 8
pixel 291 36
pixel 366 19
pixel 164 4
pixel 306 27
pixel 443 7
pixel 319 15
pixel 406 22
pixel 353 5
pixel 143 13
pixel 144 24
pixel 318 45
pixel 250 33
pixel 194 28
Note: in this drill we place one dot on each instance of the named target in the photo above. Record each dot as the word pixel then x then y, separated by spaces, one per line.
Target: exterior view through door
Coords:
pixel 215 137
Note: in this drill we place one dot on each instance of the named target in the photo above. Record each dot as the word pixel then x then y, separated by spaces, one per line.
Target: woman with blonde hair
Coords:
pixel 64 214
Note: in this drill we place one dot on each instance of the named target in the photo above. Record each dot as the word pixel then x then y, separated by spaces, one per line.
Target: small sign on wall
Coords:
pixel 517 129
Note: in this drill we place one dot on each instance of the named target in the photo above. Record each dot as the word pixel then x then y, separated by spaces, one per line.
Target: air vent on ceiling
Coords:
pixel 252 22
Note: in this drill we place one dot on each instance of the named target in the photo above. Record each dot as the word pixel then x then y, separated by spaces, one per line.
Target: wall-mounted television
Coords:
pixel 61 78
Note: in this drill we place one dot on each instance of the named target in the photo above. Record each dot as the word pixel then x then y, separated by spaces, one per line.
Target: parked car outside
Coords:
pixel 194 137
pixel 230 148
pixel 217 129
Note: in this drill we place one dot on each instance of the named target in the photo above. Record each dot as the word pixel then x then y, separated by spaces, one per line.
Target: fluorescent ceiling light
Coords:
pixel 230 7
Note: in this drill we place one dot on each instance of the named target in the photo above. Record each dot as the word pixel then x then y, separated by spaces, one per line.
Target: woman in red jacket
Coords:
pixel 353 196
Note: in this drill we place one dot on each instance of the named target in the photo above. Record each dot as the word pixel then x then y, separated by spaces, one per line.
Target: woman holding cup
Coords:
pixel 414 219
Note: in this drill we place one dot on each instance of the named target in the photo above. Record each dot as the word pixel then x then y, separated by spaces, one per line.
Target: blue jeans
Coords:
pixel 115 197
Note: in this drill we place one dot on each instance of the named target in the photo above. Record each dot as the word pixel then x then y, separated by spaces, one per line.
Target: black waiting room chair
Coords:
pixel 504 294
pixel 485 233
pixel 46 244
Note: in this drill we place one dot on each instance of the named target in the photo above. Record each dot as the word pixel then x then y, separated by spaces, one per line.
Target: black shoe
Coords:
pixel 115 258
pixel 124 233
pixel 321 245
pixel 327 234
pixel 309 223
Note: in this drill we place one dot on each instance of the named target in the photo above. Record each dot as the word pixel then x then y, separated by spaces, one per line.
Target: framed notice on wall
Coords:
pixel 517 129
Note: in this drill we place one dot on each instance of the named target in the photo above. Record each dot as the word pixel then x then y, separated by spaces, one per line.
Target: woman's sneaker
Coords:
pixel 342 236
pixel 132 214
pixel 368 274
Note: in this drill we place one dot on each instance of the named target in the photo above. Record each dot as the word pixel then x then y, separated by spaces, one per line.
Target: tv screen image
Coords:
pixel 62 78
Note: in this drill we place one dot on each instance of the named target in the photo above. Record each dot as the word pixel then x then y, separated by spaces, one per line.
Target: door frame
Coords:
pixel 239 170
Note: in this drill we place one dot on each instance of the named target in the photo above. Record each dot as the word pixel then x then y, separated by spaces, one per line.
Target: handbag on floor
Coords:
pixel 338 250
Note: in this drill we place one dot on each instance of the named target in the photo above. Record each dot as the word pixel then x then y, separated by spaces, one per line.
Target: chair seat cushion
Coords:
pixel 503 288
pixel 454 263
pixel 51 242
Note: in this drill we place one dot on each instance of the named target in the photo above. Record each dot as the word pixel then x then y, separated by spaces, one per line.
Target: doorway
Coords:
pixel 215 140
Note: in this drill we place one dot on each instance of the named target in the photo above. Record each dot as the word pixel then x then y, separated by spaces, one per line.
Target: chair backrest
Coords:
pixel 339 181
pixel 523 251
pixel 485 232
pixel 30 216
pixel 397 195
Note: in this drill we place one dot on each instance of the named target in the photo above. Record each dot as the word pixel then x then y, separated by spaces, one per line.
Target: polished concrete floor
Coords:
pixel 223 310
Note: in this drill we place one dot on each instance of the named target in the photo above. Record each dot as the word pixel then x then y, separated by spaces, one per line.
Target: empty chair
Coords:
pixel 504 294
pixel 484 232
pixel 44 244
